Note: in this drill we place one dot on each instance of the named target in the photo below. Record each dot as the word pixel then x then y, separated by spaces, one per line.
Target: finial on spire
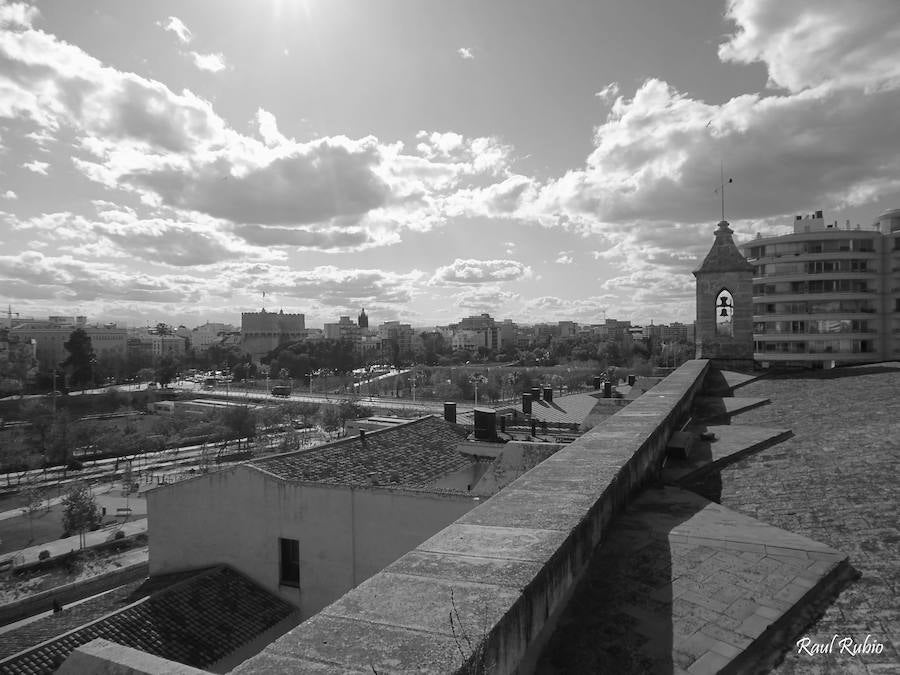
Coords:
pixel 721 189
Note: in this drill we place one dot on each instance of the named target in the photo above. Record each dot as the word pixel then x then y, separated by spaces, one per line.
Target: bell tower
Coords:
pixel 725 305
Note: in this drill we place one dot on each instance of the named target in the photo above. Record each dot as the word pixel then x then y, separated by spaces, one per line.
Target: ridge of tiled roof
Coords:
pixel 414 454
pixel 197 622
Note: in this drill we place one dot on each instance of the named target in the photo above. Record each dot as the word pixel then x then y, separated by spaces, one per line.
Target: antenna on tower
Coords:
pixel 721 189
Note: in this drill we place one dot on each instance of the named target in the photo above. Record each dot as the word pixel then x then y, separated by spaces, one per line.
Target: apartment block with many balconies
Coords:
pixel 827 294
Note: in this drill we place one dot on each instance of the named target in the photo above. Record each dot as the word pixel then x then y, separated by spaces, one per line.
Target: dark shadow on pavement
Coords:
pixel 620 617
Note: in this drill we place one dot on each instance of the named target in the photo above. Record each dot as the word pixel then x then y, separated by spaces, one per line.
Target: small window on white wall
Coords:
pixel 724 313
pixel 289 573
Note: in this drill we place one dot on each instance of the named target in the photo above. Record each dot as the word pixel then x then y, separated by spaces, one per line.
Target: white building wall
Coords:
pixel 346 535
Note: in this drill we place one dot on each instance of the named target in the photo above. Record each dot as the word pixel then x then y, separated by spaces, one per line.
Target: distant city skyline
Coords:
pixel 426 161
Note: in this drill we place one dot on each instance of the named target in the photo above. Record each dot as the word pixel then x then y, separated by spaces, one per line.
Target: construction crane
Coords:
pixel 9 315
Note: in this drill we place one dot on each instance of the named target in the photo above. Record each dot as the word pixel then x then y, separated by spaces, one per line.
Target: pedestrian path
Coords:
pixel 106 496
pixel 61 546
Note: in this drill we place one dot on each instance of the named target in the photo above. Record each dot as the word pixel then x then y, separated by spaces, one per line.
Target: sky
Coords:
pixel 425 160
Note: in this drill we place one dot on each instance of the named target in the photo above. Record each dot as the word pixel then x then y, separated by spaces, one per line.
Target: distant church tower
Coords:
pixel 725 305
pixel 363 320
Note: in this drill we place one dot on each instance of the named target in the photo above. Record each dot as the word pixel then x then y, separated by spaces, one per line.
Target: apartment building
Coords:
pixel 827 294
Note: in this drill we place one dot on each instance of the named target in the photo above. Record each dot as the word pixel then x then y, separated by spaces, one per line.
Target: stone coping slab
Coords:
pixel 686 585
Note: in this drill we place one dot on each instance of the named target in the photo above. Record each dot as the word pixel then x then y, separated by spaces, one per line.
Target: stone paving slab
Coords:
pixel 716 407
pixel 732 443
pixel 686 585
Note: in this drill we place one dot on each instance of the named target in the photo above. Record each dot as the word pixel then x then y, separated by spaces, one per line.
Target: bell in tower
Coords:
pixel 725 304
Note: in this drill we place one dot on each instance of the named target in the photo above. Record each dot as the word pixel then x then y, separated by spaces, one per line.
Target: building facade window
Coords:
pixel 289 569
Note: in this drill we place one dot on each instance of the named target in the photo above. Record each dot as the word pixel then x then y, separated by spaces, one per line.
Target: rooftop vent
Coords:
pixel 450 411
pixel 485 424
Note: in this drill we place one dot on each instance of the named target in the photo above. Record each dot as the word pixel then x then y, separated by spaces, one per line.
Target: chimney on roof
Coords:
pixel 450 411
pixel 598 382
pixel 535 393
pixel 526 403
pixel 534 427
pixel 362 436
pixel 485 424
pixel 373 477
pixel 631 380
pixel 607 390
pixel 548 393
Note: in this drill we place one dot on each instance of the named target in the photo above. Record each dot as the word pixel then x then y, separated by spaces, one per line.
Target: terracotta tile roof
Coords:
pixel 196 622
pixel 414 454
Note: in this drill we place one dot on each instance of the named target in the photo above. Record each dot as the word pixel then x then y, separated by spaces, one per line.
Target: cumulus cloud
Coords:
pixel 9 194
pixel 484 154
pixel 488 299
pixel 174 150
pixel 119 232
pixel 66 279
pixel 176 26
pixel 828 43
pixel 311 183
pixel 36 167
pixel 333 239
pixel 465 53
pixel 267 127
pixel 17 15
pixel 564 258
pixel 326 285
pixel 609 92
pixel 480 271
pixel 212 63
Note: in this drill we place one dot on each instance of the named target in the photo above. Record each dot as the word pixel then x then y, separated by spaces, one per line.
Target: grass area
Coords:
pixel 17 533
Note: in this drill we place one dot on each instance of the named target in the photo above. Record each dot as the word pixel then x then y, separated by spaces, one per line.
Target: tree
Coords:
pixel 127 480
pixel 168 367
pixel 81 359
pixel 332 420
pixel 80 511
pixel 34 500
pixel 240 421
pixel 60 440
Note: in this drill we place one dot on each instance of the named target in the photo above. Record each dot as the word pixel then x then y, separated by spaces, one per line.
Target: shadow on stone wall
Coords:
pixel 620 617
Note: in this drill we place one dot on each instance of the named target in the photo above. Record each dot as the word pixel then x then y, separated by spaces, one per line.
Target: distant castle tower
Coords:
pixel 725 305
pixel 363 320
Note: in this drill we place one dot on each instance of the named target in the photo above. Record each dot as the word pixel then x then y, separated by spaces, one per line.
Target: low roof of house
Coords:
pixel 571 409
pixel 197 621
pixel 414 454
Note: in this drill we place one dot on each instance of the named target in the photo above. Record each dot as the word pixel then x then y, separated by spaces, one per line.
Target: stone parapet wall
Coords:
pixel 484 592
